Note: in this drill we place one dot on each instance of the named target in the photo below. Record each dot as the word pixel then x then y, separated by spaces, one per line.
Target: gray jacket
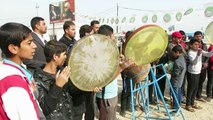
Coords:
pixel 178 72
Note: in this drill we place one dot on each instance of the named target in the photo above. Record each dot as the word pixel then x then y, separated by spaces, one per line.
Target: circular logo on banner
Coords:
pixel 208 11
pixel 90 18
pixel 189 11
pixel 167 18
pixel 116 21
pixel 99 20
pixel 132 20
pixel 123 20
pixel 107 20
pixel 144 19
pixel 112 21
pixel 103 20
pixel 178 16
pixel 154 18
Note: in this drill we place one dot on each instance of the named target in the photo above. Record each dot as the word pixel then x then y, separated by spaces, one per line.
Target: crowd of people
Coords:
pixel 35 85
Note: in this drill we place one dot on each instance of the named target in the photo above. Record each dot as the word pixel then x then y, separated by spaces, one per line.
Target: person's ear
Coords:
pixel 13 49
pixel 37 26
pixel 66 30
pixel 55 57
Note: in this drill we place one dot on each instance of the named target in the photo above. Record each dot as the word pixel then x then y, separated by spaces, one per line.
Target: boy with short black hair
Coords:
pixel 177 74
pixel 53 85
pixel 193 73
pixel 16 88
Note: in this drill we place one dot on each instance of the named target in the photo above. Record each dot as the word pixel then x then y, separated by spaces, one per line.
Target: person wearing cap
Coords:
pixel 176 39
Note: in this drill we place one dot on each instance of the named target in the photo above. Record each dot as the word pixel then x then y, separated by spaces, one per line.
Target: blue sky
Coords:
pixel 23 10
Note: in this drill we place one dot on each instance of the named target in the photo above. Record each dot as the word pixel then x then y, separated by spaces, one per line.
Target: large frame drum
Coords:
pixel 146 44
pixel 209 32
pixel 94 61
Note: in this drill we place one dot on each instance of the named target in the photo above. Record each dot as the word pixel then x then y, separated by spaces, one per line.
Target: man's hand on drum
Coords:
pixel 62 76
pixel 97 89
pixel 125 63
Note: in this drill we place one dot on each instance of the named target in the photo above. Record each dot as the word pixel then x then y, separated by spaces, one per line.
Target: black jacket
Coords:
pixel 55 102
pixel 69 43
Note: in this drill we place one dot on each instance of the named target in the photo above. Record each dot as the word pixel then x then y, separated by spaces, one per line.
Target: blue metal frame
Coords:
pixel 145 98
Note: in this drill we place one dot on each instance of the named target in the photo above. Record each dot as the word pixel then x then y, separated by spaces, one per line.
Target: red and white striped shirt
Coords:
pixel 17 100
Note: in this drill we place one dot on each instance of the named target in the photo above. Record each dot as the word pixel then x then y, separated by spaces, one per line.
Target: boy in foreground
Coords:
pixel 16 89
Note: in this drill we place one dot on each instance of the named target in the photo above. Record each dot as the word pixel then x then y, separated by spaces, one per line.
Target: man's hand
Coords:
pixel 205 65
pixel 199 51
pixel 62 77
pixel 97 89
pixel 125 63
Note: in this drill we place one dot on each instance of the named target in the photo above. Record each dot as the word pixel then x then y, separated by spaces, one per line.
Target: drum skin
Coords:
pixel 146 44
pixel 94 61
pixel 209 32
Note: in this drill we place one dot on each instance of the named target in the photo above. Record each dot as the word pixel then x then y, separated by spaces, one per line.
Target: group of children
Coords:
pixel 187 64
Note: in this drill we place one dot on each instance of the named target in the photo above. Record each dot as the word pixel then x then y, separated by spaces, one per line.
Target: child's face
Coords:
pixel 195 46
pixel 61 58
pixel 177 40
pixel 199 37
pixel 176 54
pixel 27 48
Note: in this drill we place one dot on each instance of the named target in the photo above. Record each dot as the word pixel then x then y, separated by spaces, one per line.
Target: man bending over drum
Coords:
pixel 107 98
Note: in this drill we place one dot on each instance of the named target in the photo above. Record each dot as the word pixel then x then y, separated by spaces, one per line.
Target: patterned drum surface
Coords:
pixel 146 44
pixel 94 61
pixel 209 32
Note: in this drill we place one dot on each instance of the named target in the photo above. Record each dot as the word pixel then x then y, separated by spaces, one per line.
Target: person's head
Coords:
pixel 198 36
pixel 128 33
pixel 176 37
pixel 66 6
pixel 55 51
pixel 183 34
pixel 194 44
pixel 95 25
pixel 177 50
pixel 38 25
pixel 106 30
pixel 85 30
pixel 16 41
pixel 52 7
pixel 69 29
